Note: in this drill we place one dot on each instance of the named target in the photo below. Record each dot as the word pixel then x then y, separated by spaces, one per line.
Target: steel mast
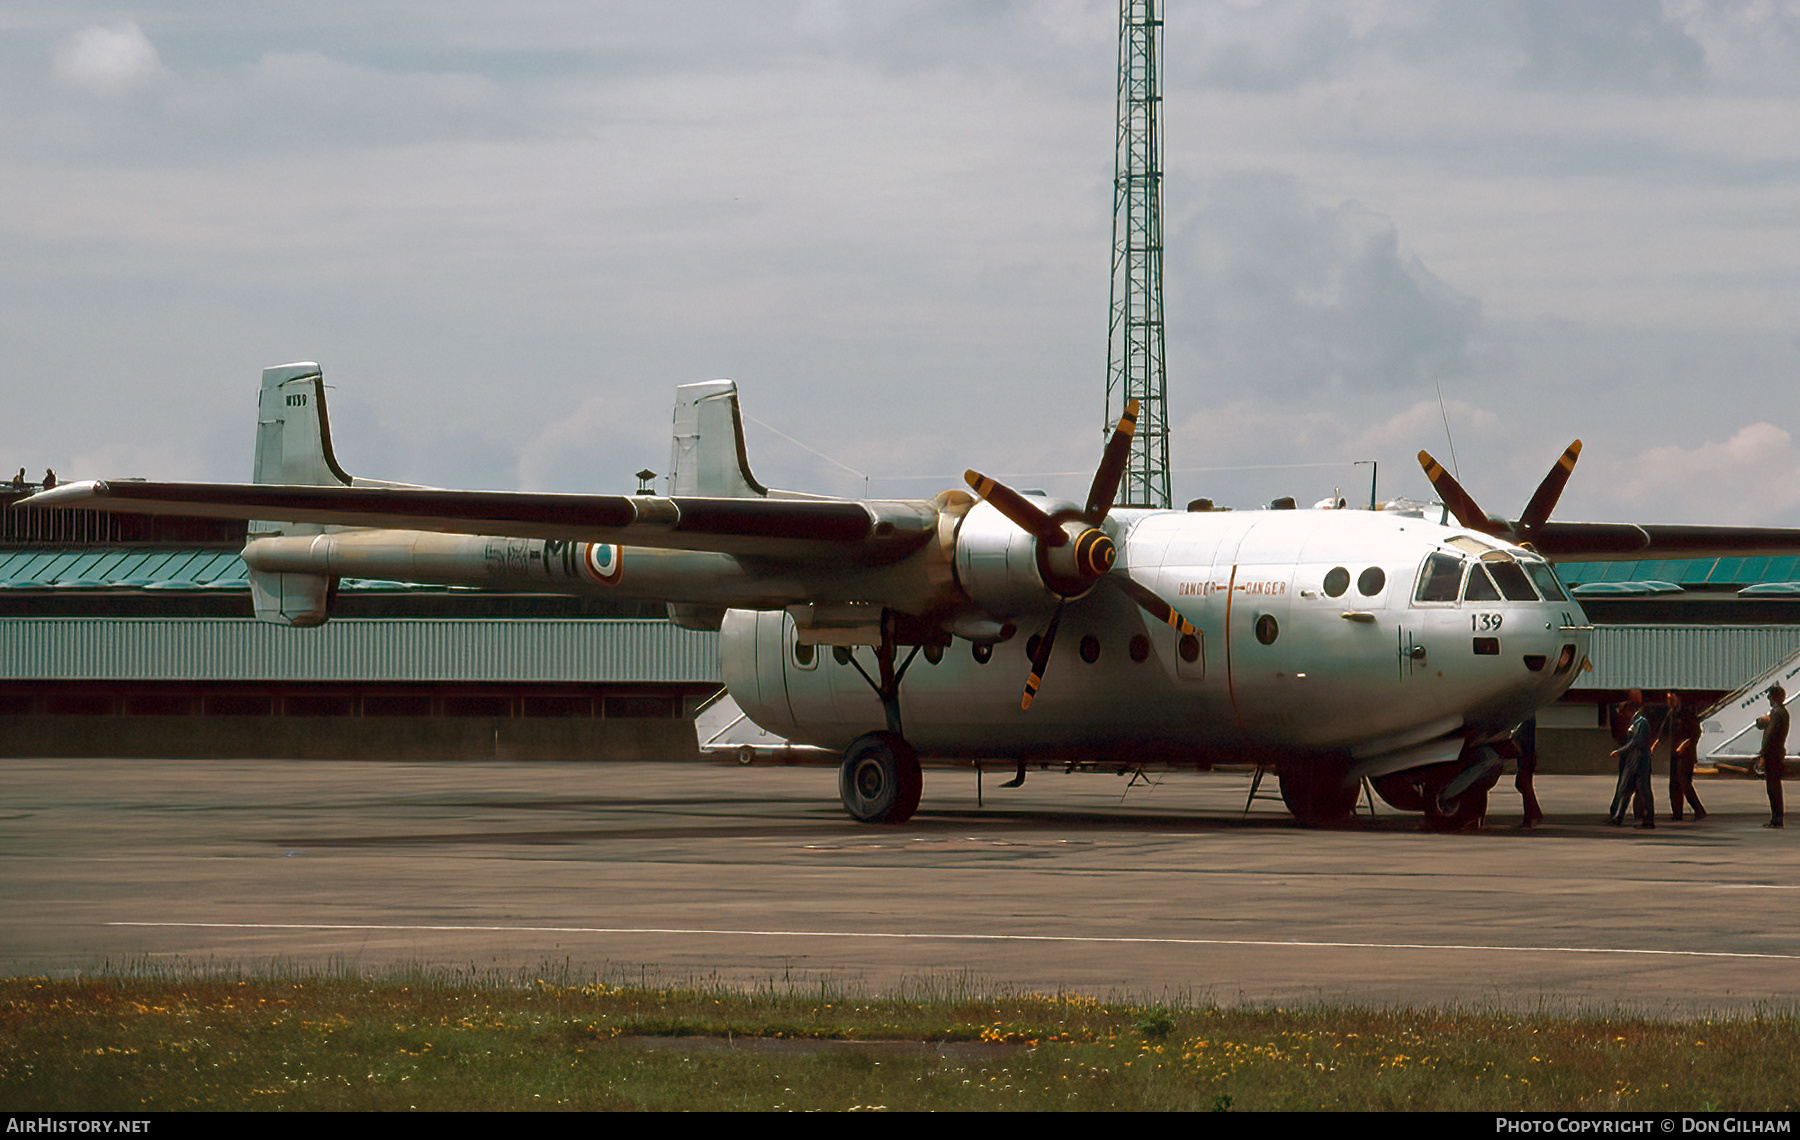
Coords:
pixel 1134 351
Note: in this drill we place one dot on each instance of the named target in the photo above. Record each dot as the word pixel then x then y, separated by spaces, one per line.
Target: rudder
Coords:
pixel 293 448
pixel 707 453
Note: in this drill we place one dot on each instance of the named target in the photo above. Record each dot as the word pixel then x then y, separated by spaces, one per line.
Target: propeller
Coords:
pixel 1537 511
pixel 1073 553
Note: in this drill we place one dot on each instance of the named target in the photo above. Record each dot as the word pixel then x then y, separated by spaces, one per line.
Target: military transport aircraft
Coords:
pixel 1332 645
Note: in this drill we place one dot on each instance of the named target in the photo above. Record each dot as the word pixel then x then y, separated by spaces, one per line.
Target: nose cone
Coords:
pixel 1094 553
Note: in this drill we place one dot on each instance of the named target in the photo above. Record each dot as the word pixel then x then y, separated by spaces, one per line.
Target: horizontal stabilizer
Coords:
pixel 292 599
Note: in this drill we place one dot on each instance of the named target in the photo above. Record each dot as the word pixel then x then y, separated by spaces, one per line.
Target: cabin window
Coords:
pixel 1371 582
pixel 1267 630
pixel 1481 588
pixel 1546 581
pixel 806 655
pixel 1140 648
pixel 981 651
pixel 1471 544
pixel 1440 579
pixel 1513 582
pixel 1337 580
pixel 1189 647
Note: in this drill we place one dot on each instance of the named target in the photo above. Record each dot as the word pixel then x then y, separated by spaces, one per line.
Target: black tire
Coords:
pixel 1319 794
pixel 880 780
pixel 1466 810
pixel 1401 790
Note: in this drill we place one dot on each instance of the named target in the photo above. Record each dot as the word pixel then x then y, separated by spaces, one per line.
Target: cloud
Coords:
pixel 1605 43
pixel 109 61
pixel 1748 46
pixel 1287 294
pixel 1753 477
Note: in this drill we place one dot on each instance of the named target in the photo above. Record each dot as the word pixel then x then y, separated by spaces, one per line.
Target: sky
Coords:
pixel 509 231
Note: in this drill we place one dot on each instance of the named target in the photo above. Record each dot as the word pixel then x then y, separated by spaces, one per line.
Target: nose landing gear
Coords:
pixel 1456 796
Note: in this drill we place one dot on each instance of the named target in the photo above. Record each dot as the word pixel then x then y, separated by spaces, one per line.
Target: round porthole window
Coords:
pixel 1337 580
pixel 1371 582
pixel 1090 649
pixel 1140 648
pixel 981 651
pixel 804 652
pixel 1267 630
pixel 1189 648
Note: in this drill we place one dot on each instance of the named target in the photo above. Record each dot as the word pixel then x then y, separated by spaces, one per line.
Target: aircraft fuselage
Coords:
pixel 1350 632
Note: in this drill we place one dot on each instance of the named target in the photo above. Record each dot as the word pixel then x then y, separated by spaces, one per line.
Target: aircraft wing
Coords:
pixel 838 530
pixel 1603 542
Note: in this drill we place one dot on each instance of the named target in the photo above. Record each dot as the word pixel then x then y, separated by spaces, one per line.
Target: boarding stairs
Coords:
pixel 1728 732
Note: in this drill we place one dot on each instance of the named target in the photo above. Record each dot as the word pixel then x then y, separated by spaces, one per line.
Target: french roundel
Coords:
pixel 604 564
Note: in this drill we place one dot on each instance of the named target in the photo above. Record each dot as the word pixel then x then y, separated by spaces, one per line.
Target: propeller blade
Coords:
pixel 1022 512
pixel 1461 504
pixel 1153 604
pixel 1112 468
pixel 1041 658
pixel 1537 511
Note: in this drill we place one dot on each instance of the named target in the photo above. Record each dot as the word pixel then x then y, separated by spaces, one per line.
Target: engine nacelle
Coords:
pixel 997 565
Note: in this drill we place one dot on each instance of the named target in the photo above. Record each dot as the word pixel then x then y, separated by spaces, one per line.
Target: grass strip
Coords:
pixel 192 1038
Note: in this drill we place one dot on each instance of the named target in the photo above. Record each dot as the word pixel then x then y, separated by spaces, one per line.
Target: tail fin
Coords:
pixel 293 448
pixel 707 458
pixel 707 453
pixel 293 437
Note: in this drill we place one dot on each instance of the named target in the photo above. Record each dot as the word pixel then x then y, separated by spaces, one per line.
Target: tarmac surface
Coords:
pixel 1087 882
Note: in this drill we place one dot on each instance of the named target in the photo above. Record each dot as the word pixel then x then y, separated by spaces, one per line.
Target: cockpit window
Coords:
pixel 1481 588
pixel 1546 581
pixel 1512 581
pixel 1440 578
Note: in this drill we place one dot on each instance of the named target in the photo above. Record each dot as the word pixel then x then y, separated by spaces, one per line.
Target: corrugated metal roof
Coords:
pixel 1685 571
pixel 352 649
pixel 121 567
pixel 1685 656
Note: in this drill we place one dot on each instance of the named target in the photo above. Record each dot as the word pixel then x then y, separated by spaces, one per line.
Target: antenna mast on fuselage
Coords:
pixel 1134 352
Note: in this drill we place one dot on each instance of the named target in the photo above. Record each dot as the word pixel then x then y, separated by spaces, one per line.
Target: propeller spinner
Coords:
pixel 1073 553
pixel 1537 511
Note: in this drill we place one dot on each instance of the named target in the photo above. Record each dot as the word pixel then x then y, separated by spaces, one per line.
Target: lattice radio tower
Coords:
pixel 1134 351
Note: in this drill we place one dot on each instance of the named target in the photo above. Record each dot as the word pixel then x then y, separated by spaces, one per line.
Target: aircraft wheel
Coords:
pixel 1319 795
pixel 1400 791
pixel 880 779
pixel 1464 811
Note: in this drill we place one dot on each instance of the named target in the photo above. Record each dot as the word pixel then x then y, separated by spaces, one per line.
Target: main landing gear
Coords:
pixel 1318 795
pixel 880 779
